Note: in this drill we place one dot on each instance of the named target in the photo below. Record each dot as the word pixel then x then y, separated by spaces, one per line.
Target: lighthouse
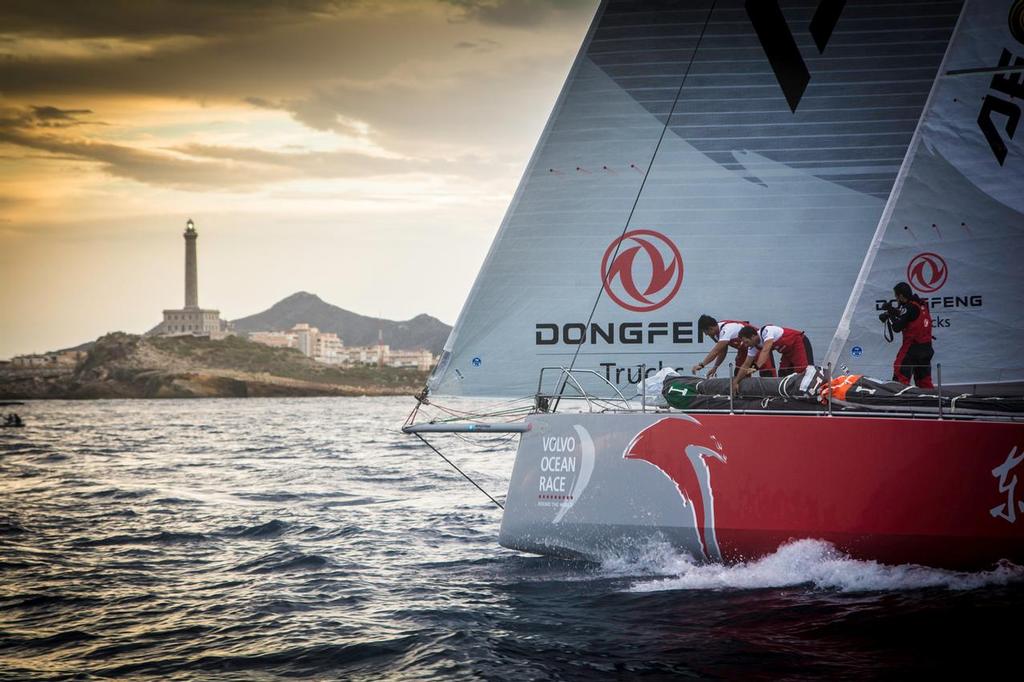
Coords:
pixel 191 270
pixel 192 320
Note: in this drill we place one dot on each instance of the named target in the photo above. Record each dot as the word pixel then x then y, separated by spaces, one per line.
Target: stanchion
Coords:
pixel 828 384
pixel 643 388
pixel 731 377
pixel 938 374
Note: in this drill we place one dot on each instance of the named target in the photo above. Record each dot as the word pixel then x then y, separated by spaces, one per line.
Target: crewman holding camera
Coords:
pixel 911 316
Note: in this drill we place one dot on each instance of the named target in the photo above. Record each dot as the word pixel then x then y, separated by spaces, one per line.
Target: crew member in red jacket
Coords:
pixel 913 318
pixel 793 346
pixel 726 333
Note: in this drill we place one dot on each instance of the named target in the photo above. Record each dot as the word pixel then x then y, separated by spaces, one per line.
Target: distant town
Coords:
pixel 327 348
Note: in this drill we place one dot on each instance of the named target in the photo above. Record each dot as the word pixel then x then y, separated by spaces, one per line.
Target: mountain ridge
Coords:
pixel 421 331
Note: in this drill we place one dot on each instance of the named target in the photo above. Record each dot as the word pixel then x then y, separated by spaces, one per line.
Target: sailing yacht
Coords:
pixel 787 162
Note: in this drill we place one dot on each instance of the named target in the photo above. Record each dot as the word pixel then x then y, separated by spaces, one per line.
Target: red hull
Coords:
pixel 892 490
pixel 945 493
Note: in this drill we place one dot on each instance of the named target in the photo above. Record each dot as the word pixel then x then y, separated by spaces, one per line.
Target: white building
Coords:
pixel 275 339
pixel 305 338
pixel 321 346
pixel 420 359
pixel 366 355
pixel 328 348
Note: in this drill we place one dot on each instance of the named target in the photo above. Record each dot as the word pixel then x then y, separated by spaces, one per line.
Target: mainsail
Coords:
pixel 722 156
pixel 954 227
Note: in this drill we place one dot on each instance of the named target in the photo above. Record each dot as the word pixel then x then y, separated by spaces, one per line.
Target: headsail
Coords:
pixel 954 228
pixel 722 156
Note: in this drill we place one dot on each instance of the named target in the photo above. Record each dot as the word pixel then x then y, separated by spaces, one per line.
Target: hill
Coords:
pixel 422 331
pixel 122 365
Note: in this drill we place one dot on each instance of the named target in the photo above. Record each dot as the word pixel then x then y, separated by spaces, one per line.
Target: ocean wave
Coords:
pixel 47 601
pixel 117 493
pixel 47 641
pixel 174 500
pixel 317 659
pixel 10 527
pixel 161 538
pixel 270 497
pixel 354 502
pixel 282 562
pixel 340 532
pixel 804 562
pixel 271 529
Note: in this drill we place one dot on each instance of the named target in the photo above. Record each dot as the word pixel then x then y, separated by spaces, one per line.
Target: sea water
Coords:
pixel 274 539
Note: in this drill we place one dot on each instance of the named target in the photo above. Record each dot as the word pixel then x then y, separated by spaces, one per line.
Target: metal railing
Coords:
pixel 945 406
pixel 569 376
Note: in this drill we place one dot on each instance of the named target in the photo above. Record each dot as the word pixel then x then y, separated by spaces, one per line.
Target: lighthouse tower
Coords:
pixel 192 320
pixel 191 270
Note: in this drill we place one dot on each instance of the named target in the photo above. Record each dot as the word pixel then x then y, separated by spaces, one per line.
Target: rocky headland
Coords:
pixel 123 365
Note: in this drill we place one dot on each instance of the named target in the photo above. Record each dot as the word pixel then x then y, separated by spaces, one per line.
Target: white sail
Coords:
pixel 722 157
pixel 954 227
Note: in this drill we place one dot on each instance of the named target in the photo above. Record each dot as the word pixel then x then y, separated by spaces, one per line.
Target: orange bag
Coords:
pixel 838 387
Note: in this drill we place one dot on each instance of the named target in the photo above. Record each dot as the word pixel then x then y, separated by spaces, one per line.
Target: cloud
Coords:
pixel 477 107
pixel 315 164
pixel 145 166
pixel 196 166
pixel 43 117
pixel 212 18
pixel 276 51
pixel 48 113
pixel 398 77
pixel 478 45
pixel 520 13
pixel 130 18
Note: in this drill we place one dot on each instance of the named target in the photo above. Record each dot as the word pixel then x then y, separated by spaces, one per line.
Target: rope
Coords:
pixel 445 415
pixel 502 441
pixel 460 471
pixel 647 173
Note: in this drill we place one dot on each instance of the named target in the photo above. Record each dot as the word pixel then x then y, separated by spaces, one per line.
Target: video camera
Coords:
pixel 890 310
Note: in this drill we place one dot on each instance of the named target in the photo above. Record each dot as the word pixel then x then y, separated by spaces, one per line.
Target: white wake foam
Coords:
pixel 803 562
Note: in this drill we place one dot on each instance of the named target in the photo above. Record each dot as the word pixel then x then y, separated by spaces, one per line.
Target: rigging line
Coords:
pixel 486 448
pixel 650 165
pixel 425 442
pixel 479 417
pixel 509 408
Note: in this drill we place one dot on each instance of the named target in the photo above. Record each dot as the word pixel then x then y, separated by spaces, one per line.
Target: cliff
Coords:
pixel 122 365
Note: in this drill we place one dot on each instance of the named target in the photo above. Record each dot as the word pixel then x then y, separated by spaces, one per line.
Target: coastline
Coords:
pixel 123 366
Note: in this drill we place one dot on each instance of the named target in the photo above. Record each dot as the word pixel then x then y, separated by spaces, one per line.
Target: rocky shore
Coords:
pixel 127 366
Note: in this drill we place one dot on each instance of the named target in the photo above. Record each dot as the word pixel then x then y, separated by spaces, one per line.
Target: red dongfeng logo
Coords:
pixel 645 273
pixel 927 272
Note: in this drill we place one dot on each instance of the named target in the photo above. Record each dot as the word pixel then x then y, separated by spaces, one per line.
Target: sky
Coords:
pixel 362 150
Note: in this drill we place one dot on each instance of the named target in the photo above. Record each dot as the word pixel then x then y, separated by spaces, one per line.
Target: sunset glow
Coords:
pixel 365 151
